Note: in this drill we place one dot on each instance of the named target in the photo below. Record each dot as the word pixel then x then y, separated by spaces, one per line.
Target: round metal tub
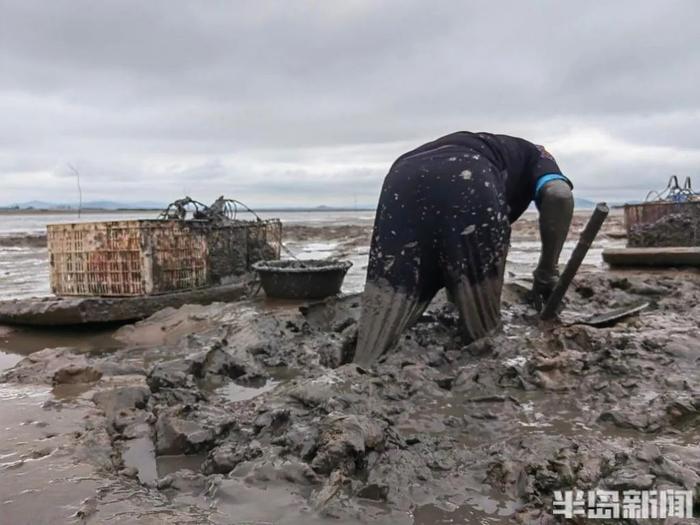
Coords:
pixel 312 279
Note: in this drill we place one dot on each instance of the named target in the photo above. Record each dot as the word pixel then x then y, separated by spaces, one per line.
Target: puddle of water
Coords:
pixel 472 502
pixel 310 250
pixel 277 502
pixel 235 393
pixel 486 513
pixel 41 479
pixel 24 340
pixel 8 360
pixel 283 373
pixel 563 417
pixel 539 413
pixel 71 390
pixel 171 464
pixel 317 250
pixel 140 454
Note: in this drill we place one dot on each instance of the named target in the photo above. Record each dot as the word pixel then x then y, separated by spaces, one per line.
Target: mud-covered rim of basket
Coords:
pixel 327 266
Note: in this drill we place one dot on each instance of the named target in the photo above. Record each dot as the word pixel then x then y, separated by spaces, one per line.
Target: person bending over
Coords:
pixel 443 220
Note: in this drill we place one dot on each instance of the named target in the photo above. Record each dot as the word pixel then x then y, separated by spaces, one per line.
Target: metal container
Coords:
pixel 149 257
pixel 313 279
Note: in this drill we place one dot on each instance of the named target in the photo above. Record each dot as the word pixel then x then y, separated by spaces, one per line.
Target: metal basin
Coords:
pixel 313 279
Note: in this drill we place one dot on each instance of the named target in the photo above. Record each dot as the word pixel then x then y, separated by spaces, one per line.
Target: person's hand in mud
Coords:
pixel 543 284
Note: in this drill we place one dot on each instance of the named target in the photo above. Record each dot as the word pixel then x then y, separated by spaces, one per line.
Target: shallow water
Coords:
pixel 479 510
pixel 35 223
pixel 24 340
pixel 41 481
pixel 24 272
pixel 8 360
pixel 170 464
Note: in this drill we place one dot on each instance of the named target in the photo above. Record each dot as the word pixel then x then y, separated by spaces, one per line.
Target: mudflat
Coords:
pixel 249 411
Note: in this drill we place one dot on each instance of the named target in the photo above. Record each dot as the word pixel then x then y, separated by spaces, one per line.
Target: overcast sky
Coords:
pixel 308 103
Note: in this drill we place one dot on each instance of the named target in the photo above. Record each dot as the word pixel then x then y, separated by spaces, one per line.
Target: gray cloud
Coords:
pixel 310 102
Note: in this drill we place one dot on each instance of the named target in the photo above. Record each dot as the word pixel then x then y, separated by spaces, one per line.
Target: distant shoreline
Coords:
pixel 88 211
pixel 95 211
pixel 586 205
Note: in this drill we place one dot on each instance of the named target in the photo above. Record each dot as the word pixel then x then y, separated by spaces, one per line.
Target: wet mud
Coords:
pixel 250 412
pixel 24 240
pixel 245 413
pixel 676 229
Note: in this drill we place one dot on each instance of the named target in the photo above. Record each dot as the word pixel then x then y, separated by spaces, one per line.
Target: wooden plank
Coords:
pixel 666 256
pixel 53 311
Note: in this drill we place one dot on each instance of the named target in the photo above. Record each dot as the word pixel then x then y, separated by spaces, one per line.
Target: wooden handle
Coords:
pixel 584 243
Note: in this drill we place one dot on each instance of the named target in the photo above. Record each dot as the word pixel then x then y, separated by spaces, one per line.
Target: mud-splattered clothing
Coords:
pixel 520 162
pixel 443 220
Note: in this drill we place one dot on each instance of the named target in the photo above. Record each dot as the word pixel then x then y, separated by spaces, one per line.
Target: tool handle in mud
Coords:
pixel 584 243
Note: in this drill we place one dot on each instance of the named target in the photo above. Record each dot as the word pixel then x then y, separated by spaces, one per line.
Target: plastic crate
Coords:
pixel 148 257
pixel 264 240
pixel 648 212
pixel 663 224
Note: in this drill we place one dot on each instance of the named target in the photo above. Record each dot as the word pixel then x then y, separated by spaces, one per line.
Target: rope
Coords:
pixel 178 209
pixel 289 252
pixel 674 192
pixel 222 209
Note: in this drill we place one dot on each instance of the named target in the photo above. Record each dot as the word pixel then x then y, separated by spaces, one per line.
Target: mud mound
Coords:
pixel 670 230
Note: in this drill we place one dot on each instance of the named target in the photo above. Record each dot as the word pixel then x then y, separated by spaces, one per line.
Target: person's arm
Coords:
pixel 556 205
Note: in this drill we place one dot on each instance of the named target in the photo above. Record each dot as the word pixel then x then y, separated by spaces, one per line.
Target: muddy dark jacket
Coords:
pixel 520 162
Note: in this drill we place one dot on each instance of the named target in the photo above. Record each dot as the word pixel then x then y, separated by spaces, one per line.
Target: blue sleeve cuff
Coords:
pixel 544 179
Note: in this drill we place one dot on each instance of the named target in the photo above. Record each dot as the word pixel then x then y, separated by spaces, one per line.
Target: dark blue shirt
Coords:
pixel 521 162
